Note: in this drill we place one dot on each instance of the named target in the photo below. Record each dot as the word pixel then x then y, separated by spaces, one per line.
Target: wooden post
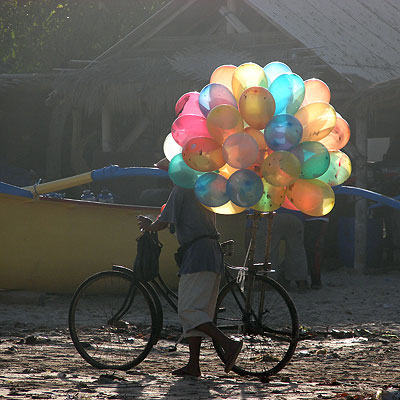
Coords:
pixel 231 6
pixel 78 162
pixel 106 131
pixel 58 121
pixel 361 206
pixel 233 23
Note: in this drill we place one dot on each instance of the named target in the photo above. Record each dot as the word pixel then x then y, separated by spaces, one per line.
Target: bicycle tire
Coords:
pixel 159 322
pixel 106 343
pixel 269 341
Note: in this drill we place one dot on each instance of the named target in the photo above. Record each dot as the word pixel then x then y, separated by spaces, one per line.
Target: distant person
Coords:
pixel 287 225
pixel 315 230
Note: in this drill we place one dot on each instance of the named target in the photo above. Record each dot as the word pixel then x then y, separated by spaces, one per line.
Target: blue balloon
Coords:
pixel 283 132
pixel 244 188
pixel 181 174
pixel 274 69
pixel 213 95
pixel 288 91
pixel 210 189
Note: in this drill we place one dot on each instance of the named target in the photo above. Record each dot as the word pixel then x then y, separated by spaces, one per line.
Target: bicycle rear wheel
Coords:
pixel 269 332
pixel 112 321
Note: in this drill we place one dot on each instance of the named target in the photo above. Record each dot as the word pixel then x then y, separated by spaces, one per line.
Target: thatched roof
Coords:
pixel 144 83
pixel 124 85
pixel 11 82
pixel 154 78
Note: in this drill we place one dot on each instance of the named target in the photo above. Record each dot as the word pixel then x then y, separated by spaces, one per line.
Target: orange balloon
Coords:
pixel 281 168
pixel 257 106
pixel 339 136
pixel 248 75
pixel 223 121
pixel 316 90
pixel 228 208
pixel 317 119
pixel 257 136
pixel 271 199
pixel 289 205
pixel 226 170
pixel 203 154
pixel 312 196
pixel 223 75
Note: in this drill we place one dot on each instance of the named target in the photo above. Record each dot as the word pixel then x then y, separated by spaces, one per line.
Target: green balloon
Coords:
pixel 181 174
pixel 339 169
pixel 314 159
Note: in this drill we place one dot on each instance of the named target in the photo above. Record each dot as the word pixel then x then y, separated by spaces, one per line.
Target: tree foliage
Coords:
pixel 39 35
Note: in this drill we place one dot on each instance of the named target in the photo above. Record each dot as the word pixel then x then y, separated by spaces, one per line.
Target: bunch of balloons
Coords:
pixel 259 138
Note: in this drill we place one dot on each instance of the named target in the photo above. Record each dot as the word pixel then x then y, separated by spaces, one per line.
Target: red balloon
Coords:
pixel 186 127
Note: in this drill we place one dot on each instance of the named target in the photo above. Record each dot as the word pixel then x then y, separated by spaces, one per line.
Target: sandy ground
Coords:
pixel 350 350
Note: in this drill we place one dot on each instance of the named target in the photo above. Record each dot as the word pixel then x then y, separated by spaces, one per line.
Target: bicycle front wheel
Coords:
pixel 112 321
pixel 269 330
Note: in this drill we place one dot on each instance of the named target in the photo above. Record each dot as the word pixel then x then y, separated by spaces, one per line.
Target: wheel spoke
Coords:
pixel 109 326
pixel 269 331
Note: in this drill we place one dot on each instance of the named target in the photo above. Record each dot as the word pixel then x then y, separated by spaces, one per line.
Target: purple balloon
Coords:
pixel 213 95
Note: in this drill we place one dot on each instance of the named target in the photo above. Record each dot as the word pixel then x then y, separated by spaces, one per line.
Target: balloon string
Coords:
pixel 241 276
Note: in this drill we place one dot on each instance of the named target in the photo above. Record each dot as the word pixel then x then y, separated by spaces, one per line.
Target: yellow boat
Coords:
pixel 53 244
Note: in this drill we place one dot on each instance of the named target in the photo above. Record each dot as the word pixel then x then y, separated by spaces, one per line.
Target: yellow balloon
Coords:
pixel 281 168
pixel 312 196
pixel 228 208
pixel 227 171
pixel 248 75
pixel 315 90
pixel 223 75
pixel 317 119
pixel 223 121
pixel 271 199
pixel 257 106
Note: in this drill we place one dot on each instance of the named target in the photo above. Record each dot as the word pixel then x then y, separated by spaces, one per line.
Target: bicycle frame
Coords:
pixel 157 286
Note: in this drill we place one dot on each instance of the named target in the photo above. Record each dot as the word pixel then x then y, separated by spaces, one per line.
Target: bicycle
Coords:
pixel 126 316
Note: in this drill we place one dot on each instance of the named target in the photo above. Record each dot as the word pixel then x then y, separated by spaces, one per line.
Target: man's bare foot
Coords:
pixel 232 355
pixel 187 371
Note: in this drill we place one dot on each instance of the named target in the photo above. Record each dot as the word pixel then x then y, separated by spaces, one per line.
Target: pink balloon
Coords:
pixel 188 104
pixel 189 126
